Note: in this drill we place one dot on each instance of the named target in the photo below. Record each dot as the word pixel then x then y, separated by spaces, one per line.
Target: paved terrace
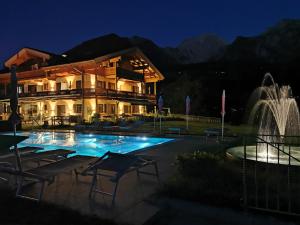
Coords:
pixel 131 205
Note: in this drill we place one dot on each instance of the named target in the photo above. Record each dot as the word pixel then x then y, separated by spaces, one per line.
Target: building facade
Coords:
pixel 115 84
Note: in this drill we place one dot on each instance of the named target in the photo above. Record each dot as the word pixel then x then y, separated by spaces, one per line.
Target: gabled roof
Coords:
pixel 131 50
pixel 25 54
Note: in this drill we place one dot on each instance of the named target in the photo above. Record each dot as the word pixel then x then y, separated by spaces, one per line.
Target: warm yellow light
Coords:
pixel 93 81
pixel 120 83
pixel 140 87
pixel 120 108
pixel 51 85
pixel 52 108
pixel 70 80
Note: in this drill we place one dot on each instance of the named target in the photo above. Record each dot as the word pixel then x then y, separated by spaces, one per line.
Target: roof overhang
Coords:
pixel 24 54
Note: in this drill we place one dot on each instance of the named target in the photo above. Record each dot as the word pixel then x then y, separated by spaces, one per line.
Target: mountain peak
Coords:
pixel 198 49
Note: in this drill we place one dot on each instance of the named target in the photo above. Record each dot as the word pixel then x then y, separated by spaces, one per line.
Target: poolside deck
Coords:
pixel 131 205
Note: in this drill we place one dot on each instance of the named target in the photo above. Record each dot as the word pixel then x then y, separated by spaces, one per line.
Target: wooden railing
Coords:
pixel 88 92
pixel 118 94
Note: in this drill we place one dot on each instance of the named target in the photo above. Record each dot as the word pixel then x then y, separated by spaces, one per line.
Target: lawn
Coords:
pixel 196 127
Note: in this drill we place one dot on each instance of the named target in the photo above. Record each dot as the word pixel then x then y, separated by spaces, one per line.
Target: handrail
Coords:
pixel 274 146
pixel 278 135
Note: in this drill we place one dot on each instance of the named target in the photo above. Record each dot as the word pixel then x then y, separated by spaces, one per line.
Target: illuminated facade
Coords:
pixel 120 83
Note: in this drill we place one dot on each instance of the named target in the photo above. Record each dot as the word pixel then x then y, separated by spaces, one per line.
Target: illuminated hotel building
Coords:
pixel 49 85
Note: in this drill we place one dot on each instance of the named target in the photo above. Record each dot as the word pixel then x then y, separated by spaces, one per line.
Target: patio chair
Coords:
pixel 118 165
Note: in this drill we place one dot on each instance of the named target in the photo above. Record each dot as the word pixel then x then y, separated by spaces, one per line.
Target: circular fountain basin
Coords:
pixel 272 157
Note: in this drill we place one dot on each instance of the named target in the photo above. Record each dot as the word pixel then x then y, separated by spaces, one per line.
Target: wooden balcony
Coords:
pixel 121 95
pixel 88 92
pixel 77 92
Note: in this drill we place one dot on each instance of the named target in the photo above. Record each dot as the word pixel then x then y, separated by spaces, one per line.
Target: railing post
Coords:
pixel 289 182
pixel 267 178
pixel 245 202
pixel 255 176
pixel 278 178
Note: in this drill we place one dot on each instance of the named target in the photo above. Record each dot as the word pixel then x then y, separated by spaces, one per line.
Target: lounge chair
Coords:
pixel 47 173
pixel 22 151
pixel 9 162
pixel 8 157
pixel 32 155
pixel 119 165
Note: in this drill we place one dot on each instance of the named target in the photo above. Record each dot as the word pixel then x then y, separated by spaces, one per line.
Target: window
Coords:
pixel 111 108
pixel 102 108
pixel 20 88
pixel 77 108
pixel 78 84
pixel 32 88
pixel 126 109
pixel 45 107
pixel 46 86
pixel 58 86
pixel 135 89
pixel 32 110
pixel 135 109
pixel 111 86
pixel 101 84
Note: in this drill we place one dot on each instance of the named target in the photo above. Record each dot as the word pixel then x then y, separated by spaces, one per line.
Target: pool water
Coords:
pixel 89 144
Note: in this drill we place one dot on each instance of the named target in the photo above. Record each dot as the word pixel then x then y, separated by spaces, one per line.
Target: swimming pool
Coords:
pixel 89 144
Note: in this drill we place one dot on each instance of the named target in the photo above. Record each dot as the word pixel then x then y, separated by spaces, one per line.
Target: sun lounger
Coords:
pixel 33 155
pixel 47 173
pixel 118 165
pixel 9 164
pixel 22 151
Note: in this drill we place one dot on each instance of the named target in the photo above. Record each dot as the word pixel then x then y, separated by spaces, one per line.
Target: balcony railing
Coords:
pixel 45 93
pixel 118 94
pixel 109 93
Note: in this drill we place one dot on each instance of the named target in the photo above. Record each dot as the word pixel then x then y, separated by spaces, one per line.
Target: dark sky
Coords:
pixel 56 26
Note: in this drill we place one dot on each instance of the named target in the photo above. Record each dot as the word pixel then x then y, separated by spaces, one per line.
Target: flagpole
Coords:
pixel 187 110
pixel 154 115
pixel 223 113
pixel 222 126
pixel 160 123
pixel 187 121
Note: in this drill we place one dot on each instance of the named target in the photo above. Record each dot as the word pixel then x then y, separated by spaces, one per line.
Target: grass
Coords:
pixel 197 127
pixel 20 211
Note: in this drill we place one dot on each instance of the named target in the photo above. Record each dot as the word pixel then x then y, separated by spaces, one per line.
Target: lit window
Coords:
pixel 77 108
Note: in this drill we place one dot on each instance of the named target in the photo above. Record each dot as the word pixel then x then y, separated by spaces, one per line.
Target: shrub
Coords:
pixel 206 177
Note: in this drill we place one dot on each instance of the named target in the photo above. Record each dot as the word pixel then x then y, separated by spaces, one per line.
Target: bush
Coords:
pixel 206 177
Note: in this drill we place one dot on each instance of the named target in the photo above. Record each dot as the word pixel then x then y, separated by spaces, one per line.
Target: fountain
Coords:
pixel 274 112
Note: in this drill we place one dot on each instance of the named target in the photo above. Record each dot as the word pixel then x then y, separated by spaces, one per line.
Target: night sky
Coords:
pixel 56 26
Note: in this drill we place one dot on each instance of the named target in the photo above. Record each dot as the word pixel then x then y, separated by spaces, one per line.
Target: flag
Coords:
pixel 223 104
pixel 160 104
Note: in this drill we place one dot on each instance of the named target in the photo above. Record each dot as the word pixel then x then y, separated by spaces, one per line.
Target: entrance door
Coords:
pixel 58 86
pixel 61 110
